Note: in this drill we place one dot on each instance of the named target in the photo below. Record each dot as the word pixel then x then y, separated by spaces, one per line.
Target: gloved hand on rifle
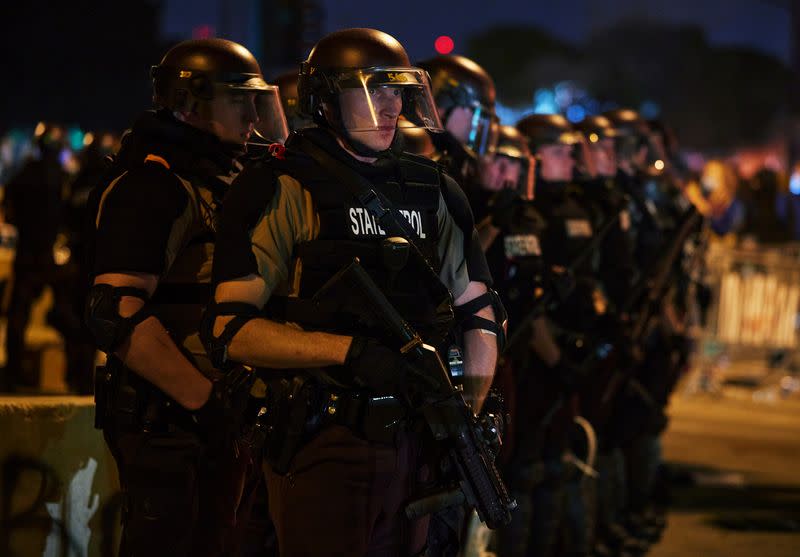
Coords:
pixel 384 370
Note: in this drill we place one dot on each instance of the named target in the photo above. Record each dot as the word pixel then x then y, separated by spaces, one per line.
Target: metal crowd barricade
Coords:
pixel 756 296
pixel 749 338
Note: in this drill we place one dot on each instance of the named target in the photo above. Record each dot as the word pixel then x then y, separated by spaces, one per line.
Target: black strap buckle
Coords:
pixel 372 201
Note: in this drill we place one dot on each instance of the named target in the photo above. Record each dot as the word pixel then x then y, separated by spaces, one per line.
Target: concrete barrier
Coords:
pixel 59 495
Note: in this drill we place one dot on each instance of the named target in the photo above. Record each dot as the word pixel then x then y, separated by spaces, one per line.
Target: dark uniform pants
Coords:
pixel 181 498
pixel 344 497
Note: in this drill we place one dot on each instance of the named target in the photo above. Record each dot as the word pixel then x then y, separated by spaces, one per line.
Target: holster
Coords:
pixel 125 401
pixel 117 402
pixel 301 407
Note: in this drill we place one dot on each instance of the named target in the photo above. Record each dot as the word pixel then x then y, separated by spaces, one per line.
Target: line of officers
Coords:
pixel 546 260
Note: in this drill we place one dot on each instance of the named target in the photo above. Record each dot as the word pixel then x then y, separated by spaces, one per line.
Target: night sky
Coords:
pixel 758 23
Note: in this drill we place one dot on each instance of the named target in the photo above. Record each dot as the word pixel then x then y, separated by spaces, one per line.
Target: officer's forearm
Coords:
pixel 151 353
pixel 480 359
pixel 265 343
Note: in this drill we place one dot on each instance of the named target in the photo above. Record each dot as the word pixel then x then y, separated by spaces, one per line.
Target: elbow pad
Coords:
pixel 467 320
pixel 217 346
pixel 103 319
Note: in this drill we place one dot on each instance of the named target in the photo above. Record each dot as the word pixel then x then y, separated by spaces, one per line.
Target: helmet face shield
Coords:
pixel 272 124
pixel 520 172
pixel 262 103
pixel 511 151
pixel 373 99
pixel 483 132
pixel 584 161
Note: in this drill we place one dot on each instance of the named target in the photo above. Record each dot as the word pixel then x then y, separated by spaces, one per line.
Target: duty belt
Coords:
pixel 375 418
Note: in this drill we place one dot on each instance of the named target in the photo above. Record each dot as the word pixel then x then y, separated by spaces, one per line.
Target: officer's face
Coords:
pixel 500 172
pixel 605 157
pixel 233 116
pixel 557 163
pixel 459 123
pixel 372 122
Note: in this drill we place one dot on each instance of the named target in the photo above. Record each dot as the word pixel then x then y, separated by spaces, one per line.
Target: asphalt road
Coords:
pixel 736 465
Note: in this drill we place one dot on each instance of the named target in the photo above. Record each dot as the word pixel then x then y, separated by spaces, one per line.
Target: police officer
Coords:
pixel 465 98
pixel 558 371
pixel 639 413
pixel 512 234
pixel 618 272
pixel 342 456
pixel 169 417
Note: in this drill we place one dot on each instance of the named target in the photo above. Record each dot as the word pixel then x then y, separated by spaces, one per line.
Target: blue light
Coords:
pixel 75 138
pixel 794 183
pixel 575 113
pixel 650 110
pixel 509 116
pixel 543 96
pixel 545 102
pixel 564 93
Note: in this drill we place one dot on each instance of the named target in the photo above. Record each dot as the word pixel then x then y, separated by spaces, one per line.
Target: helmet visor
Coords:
pixel 270 123
pixel 524 172
pixel 584 161
pixel 484 130
pixel 373 99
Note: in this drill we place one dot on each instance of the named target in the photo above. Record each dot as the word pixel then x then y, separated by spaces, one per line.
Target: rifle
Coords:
pixel 648 293
pixel 467 439
pixel 562 290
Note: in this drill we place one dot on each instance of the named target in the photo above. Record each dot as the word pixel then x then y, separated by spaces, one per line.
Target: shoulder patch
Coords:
pixel 578 228
pixel 521 245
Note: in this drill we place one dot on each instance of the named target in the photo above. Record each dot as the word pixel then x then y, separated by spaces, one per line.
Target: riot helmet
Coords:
pixel 600 135
pixel 511 165
pixel 358 82
pixel 465 97
pixel 194 73
pixel 664 148
pixel 552 140
pixel 633 138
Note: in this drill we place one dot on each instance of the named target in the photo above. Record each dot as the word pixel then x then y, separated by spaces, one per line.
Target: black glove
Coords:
pixel 223 416
pixel 382 370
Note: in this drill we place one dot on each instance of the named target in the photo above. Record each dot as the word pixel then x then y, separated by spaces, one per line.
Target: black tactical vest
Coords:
pixel 568 231
pixel 347 230
pixel 515 260
pixel 184 287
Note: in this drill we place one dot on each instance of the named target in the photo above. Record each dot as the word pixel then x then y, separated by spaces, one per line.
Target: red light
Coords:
pixel 444 45
pixel 203 32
